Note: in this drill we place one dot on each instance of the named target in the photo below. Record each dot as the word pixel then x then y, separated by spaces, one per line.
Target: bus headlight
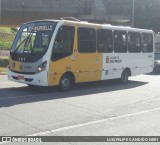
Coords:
pixel 41 67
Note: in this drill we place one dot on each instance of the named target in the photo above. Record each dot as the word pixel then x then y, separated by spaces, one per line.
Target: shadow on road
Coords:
pixel 22 95
pixel 154 73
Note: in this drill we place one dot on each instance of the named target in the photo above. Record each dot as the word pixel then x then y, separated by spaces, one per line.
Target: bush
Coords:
pixel 14 30
pixel 5 44
pixel 6 40
pixel 4 62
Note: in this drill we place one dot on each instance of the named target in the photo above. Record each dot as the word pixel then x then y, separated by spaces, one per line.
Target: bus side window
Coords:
pixel 120 41
pixel 104 41
pixel 86 40
pixel 147 42
pixel 134 42
pixel 63 45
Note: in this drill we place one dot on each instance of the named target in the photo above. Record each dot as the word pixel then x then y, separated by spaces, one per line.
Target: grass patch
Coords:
pixel 5 30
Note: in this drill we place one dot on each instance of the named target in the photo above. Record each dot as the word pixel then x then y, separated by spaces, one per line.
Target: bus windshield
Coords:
pixel 32 41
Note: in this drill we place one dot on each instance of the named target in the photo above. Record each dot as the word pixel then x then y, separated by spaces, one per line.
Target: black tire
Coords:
pixel 65 83
pixel 124 77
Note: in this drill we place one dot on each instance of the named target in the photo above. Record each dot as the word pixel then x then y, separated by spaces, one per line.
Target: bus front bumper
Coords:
pixel 39 79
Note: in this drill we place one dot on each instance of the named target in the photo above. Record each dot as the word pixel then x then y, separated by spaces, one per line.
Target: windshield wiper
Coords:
pixel 19 45
pixel 28 40
pixel 25 41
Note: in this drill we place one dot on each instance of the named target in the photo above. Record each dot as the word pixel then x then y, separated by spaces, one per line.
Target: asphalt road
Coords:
pixel 105 108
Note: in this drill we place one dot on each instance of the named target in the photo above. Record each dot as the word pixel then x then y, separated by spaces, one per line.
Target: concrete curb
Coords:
pixel 3 73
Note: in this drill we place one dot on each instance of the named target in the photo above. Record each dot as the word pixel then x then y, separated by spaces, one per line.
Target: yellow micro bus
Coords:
pixel 64 52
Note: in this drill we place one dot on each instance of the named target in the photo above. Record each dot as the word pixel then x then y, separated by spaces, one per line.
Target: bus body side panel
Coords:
pixel 113 65
pixel 90 67
pixel 58 68
pixel 137 62
pixel 144 63
pixel 86 67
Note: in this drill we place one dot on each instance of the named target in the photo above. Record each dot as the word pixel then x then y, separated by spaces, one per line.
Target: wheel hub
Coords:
pixel 65 82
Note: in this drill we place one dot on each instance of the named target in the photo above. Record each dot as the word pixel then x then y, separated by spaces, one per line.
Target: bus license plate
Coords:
pixel 20 77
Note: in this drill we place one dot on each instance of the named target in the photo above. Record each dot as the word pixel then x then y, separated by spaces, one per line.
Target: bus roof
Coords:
pixel 88 24
pixel 107 26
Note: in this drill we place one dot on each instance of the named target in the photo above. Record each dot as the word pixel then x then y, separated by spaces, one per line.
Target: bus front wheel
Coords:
pixel 124 76
pixel 65 83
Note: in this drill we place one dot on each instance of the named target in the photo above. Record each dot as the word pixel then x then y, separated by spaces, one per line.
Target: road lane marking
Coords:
pixel 92 122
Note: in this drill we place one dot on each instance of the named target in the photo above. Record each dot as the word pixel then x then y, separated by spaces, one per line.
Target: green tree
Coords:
pixel 147 14
pixel 143 13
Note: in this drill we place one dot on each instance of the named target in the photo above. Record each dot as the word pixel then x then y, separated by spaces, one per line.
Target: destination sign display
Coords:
pixel 41 28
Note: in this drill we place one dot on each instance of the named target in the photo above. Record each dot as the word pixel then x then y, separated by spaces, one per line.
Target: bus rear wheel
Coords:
pixel 124 76
pixel 65 83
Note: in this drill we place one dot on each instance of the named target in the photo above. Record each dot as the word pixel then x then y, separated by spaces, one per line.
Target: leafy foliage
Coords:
pixel 6 37
pixel 14 30
pixel 4 62
pixel 147 14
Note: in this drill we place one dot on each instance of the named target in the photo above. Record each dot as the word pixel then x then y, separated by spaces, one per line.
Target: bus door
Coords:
pixel 89 60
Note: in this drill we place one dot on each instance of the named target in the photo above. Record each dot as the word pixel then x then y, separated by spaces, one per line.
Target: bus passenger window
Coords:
pixel 63 45
pixel 120 41
pixel 64 40
pixel 147 42
pixel 86 40
pixel 104 41
pixel 134 42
